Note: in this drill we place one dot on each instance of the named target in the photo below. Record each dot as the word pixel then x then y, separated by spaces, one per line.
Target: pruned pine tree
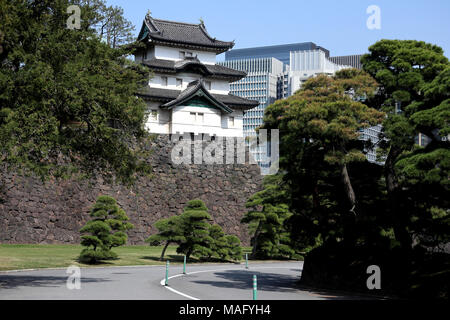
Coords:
pixel 105 231
pixel 170 231
pixel 224 247
pixel 197 240
pixel 414 78
pixel 266 220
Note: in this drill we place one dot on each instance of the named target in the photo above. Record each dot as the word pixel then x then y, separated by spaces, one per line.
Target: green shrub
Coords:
pixel 91 256
pixel 106 230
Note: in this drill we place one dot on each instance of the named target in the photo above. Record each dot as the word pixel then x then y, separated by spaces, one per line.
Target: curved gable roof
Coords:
pixel 196 89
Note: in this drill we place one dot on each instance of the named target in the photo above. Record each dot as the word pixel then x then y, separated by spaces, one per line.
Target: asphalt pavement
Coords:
pixel 275 281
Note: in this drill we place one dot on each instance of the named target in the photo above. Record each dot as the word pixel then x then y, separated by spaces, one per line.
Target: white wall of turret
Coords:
pixel 176 54
pixel 180 81
pixel 192 119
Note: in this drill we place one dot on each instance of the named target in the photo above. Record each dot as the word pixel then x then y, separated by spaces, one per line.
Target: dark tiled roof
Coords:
pixel 196 88
pixel 213 71
pixel 168 95
pixel 181 33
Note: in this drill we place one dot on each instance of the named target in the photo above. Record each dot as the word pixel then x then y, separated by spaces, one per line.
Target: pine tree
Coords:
pixel 170 230
pixel 320 128
pixel 196 236
pixel 414 79
pixel 266 220
pixel 234 248
pixel 67 100
pixel 224 247
pixel 105 231
pixel 197 240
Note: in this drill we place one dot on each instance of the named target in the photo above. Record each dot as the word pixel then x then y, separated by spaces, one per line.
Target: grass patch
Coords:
pixel 16 257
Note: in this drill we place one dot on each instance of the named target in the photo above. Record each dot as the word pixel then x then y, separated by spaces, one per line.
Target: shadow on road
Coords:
pixel 242 279
pixel 15 281
pixel 273 282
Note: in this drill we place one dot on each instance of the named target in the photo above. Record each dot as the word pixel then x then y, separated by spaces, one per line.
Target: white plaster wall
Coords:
pixel 217 86
pixel 170 53
pixel 215 122
pixel 220 87
pixel 162 124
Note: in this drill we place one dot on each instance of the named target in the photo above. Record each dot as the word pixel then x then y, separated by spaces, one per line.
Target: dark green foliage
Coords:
pixel 234 248
pixel 91 256
pixel 267 220
pixel 224 247
pixel 334 266
pixel 106 230
pixel 399 216
pixel 319 129
pixel 170 230
pixel 197 240
pixel 415 77
pixel 67 100
pixel 195 236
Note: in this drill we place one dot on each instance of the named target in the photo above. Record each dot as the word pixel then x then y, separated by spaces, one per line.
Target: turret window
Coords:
pixel 197 117
pixel 185 54
pixel 231 122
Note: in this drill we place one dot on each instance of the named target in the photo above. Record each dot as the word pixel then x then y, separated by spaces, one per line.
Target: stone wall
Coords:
pixel 53 212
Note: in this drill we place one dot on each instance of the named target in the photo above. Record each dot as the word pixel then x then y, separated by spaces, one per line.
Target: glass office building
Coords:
pixel 279 52
pixel 261 84
pixel 372 134
pixel 352 60
pixel 276 72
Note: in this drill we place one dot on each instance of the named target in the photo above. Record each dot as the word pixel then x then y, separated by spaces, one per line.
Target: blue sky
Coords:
pixel 338 25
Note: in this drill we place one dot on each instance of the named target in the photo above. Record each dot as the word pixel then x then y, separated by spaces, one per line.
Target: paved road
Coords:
pixel 205 282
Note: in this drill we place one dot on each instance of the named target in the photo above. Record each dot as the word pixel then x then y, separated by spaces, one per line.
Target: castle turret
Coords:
pixel 188 92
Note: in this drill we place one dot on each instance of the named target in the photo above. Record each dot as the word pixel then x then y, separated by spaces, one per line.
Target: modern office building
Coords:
pixel 284 68
pixel 351 60
pixel 260 84
pixel 280 52
pixel 307 64
pixel 372 134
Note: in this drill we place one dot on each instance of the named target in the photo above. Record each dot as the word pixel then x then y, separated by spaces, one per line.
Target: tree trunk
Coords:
pixel 315 195
pixel 348 188
pixel 164 251
pixel 399 219
pixel 389 172
pixel 255 239
pixel 188 254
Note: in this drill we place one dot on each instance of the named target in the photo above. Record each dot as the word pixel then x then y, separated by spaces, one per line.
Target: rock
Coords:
pixel 59 208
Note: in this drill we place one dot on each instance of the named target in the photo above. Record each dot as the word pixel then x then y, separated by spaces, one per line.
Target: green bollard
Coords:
pixel 184 265
pixel 255 288
pixel 246 261
pixel 167 273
